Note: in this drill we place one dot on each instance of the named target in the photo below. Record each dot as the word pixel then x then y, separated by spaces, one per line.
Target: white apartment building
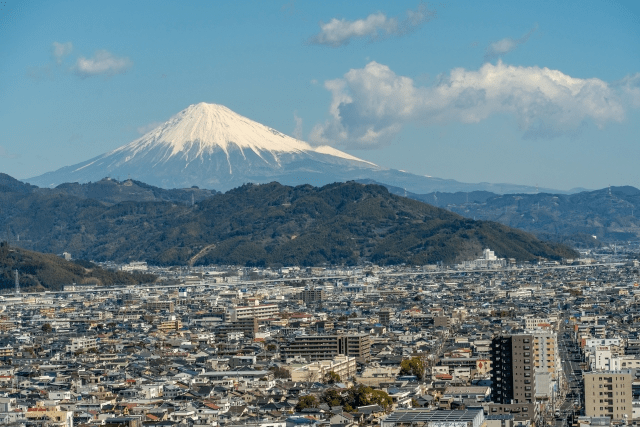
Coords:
pixel 548 366
pixel 82 343
pixel 600 359
pixel 488 260
pixel 625 362
pixel 532 322
pixel 258 311
pixel 590 344
pixel 135 266
pixel 344 366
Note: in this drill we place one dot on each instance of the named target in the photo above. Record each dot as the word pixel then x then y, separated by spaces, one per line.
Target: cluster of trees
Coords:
pixel 414 366
pixel 280 372
pixel 332 378
pixel 352 398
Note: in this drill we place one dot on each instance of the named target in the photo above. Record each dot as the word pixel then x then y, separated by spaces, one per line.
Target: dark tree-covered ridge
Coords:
pixel 39 271
pixel 261 225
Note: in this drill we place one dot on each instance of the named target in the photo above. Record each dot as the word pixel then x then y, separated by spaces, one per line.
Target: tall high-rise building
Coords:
pixel 548 366
pixel 513 375
pixel 513 369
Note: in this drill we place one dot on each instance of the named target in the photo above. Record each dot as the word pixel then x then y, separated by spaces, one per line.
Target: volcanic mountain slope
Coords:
pixel 210 146
pixel 269 224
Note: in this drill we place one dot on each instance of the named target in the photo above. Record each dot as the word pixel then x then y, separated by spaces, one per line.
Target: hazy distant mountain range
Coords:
pixel 210 146
pixel 268 224
pixel 609 214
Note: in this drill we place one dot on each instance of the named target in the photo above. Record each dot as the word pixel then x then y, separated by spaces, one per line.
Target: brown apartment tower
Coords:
pixel 513 375
pixel 513 369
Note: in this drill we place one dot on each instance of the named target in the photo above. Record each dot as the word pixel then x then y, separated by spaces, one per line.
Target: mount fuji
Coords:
pixel 210 146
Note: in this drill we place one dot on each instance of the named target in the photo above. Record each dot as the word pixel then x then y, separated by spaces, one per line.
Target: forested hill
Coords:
pixel 39 271
pixel 610 214
pixel 269 224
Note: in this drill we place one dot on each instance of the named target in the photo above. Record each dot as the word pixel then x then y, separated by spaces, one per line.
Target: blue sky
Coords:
pixel 528 92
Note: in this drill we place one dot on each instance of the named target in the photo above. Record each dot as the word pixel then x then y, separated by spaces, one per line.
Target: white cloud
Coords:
pixel 148 127
pixel 60 50
pixel 339 32
pixel 297 131
pixel 370 105
pixel 506 45
pixel 103 63
pixel 630 87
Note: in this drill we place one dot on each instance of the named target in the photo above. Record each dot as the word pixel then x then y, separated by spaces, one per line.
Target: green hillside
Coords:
pixel 39 271
pixel 270 224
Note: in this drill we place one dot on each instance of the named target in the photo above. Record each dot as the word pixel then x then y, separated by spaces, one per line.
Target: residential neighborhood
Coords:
pixel 480 344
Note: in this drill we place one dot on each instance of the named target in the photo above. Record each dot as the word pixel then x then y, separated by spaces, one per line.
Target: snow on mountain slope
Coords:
pixel 210 146
pixel 211 126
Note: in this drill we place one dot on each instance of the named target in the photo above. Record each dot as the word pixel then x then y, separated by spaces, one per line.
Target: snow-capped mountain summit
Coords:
pixel 203 129
pixel 210 146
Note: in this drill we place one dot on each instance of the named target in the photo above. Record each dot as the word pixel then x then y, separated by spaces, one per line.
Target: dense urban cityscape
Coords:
pixel 485 343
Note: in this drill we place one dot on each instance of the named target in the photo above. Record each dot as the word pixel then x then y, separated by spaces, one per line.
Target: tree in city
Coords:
pixel 331 377
pixel 46 328
pixel 359 395
pixel 280 372
pixel 333 398
pixel 308 401
pixel 413 366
